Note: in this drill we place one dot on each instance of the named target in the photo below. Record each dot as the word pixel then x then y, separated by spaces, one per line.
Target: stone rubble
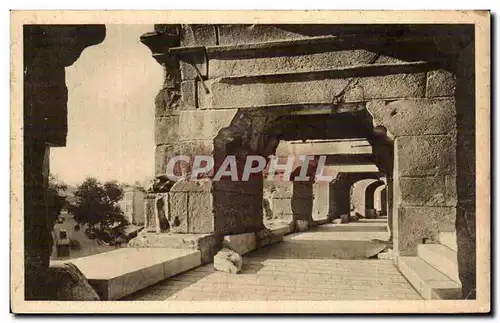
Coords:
pixel 228 261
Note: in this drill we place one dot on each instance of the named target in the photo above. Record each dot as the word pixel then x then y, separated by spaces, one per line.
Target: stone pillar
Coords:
pixel 47 51
pixel 466 171
pixel 424 161
pixel 203 205
pixel 321 195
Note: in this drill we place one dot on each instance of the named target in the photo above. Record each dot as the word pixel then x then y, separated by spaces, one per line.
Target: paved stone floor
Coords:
pixel 326 263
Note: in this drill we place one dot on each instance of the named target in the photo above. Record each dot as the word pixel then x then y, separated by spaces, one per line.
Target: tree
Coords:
pixel 55 200
pixel 96 206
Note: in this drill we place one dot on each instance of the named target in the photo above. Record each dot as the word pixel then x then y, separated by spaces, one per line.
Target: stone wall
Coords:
pixel 228 87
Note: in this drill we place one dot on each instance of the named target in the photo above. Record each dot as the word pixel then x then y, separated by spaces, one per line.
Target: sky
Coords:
pixel 111 90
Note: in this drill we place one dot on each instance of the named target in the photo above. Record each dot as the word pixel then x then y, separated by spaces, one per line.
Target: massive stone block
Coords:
pixel 418 223
pixel 244 34
pixel 425 155
pixel 241 93
pixel 166 130
pixel 411 117
pixel 201 210
pixel 178 212
pixel 197 125
pixel 440 83
pixel 221 66
pixel 198 35
pixel 427 191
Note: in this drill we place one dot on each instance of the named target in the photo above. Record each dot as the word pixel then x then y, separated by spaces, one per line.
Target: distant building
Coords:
pixel 132 205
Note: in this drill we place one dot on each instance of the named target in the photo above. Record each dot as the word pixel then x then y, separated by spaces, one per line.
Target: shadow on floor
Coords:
pixel 172 285
pixel 320 249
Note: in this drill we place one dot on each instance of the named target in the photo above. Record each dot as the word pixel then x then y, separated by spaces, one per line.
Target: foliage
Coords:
pixel 55 200
pixel 95 205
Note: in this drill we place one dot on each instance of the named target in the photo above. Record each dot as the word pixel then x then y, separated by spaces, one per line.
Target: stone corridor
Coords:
pixel 327 262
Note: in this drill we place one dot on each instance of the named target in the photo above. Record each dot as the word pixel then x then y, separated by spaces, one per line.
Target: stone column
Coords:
pixel 47 51
pixel 424 136
pixel 466 171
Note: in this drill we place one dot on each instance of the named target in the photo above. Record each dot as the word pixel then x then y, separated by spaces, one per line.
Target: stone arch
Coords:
pixel 380 199
pixel 370 195
pixel 358 193
pixel 340 188
pixel 417 137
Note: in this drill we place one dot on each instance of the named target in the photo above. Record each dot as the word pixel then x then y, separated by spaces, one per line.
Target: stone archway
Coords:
pixel 407 96
pixel 370 196
pixel 380 200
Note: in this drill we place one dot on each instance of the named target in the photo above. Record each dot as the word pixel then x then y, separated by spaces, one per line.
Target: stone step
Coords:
pixel 378 220
pixel 448 239
pixel 357 226
pixel 121 272
pixel 440 257
pixel 428 281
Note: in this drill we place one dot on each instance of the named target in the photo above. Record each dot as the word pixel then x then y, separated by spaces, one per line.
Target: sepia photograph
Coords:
pixel 257 162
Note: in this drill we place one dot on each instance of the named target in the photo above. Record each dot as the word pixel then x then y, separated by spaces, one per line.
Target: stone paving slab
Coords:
pixel 306 266
pixel 122 272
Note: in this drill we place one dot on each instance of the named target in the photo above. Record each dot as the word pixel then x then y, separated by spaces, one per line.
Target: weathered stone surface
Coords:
pixel 69 284
pixel 188 95
pixel 371 213
pixel 228 261
pixel 425 155
pixel 337 221
pixel 241 243
pixel 192 64
pixel 344 218
pixel 242 93
pixel 178 212
pixel 198 35
pixel 267 236
pixel 409 117
pixel 237 213
pixel 245 34
pixel 285 64
pixel 418 223
pixel 352 218
pixel 387 87
pixel 167 102
pixel 166 130
pixel 163 154
pixel 207 244
pixel 440 83
pixel 301 225
pixel 201 213
pixel 151 223
pixel 194 125
pixel 427 191
pixel 189 186
pixel 296 206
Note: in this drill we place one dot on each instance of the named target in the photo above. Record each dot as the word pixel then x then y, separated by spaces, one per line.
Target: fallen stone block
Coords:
pixel 353 218
pixel 67 283
pixel 266 236
pixel 386 255
pixel 228 261
pixel 337 221
pixel 241 243
pixel 371 213
pixel 301 225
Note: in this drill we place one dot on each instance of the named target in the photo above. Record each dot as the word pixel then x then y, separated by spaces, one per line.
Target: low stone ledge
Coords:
pixel 207 244
pixel 241 243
